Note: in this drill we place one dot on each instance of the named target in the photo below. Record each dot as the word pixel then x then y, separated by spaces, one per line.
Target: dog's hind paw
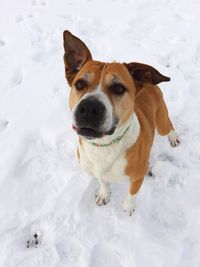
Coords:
pixel 173 138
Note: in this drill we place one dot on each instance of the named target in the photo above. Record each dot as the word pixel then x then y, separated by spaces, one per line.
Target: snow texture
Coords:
pixel 42 188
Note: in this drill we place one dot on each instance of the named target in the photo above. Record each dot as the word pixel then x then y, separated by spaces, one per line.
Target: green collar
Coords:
pixel 115 140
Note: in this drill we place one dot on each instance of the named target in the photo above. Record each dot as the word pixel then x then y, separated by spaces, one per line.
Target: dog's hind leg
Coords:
pixel 164 125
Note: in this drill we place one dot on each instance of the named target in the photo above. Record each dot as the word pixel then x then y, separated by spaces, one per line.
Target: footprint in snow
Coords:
pixel 3 125
pixel 69 250
pixel 16 78
pixel 42 2
pixel 19 18
pixel 105 255
pixel 2 43
pixel 87 204
pixel 34 241
pixel 34 2
pixel 165 157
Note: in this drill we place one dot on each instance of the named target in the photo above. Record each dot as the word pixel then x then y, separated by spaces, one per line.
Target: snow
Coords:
pixel 43 189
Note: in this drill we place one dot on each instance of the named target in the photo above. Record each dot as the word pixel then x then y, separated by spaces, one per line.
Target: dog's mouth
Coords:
pixel 90 133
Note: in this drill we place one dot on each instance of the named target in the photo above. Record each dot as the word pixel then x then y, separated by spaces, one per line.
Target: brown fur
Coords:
pixel 152 114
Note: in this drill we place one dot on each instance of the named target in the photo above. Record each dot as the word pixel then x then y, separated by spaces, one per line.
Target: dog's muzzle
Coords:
pixel 90 116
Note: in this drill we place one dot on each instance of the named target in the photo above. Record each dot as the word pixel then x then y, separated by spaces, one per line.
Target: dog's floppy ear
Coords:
pixel 76 55
pixel 143 73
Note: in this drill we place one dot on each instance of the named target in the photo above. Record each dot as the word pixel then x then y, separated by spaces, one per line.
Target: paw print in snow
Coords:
pixel 34 241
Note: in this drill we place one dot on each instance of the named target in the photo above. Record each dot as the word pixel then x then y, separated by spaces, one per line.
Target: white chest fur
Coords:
pixel 108 163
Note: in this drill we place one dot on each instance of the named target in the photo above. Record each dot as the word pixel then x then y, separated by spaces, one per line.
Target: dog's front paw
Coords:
pixel 173 138
pixel 129 204
pixel 128 208
pixel 101 199
pixel 103 196
pixel 129 211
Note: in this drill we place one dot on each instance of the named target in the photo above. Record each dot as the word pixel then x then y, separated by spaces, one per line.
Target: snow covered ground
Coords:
pixel 42 188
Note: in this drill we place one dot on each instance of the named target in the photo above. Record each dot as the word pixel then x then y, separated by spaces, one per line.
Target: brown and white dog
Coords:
pixel 116 109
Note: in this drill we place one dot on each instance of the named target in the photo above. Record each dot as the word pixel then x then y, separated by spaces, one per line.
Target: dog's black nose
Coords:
pixel 90 112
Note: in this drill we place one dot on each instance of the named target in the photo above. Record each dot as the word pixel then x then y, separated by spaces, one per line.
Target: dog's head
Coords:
pixel 102 94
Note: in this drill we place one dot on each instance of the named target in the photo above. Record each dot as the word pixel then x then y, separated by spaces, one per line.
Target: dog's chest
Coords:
pixel 106 163
pixel 109 162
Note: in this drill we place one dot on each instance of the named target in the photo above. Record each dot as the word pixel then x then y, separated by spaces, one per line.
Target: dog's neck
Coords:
pixel 132 125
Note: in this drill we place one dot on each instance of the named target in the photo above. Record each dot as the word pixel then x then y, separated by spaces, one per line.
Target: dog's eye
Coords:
pixel 117 89
pixel 80 84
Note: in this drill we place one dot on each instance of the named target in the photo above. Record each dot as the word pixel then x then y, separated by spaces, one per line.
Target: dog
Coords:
pixel 116 109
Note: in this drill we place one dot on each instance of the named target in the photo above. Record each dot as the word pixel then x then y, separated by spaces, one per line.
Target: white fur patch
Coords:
pixel 109 163
pixel 129 204
pixel 103 98
pixel 173 138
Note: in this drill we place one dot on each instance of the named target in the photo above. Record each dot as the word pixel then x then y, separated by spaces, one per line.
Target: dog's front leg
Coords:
pixel 129 204
pixel 103 195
